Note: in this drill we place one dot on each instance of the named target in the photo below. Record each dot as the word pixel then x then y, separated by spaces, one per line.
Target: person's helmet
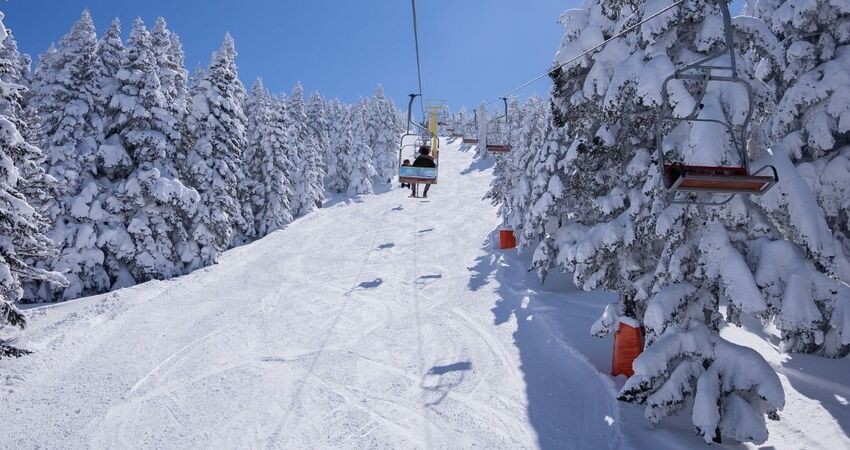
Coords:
pixel 424 150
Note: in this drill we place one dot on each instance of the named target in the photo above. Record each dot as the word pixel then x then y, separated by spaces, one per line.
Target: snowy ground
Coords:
pixel 377 322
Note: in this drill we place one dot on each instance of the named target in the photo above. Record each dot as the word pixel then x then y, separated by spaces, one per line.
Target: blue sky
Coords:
pixel 471 49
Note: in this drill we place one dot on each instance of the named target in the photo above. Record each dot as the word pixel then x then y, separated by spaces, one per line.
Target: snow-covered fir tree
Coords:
pixel 804 57
pixel 66 93
pixel 21 225
pixel 383 128
pixel 217 124
pixel 173 76
pixel 358 158
pixel 110 53
pixel 308 186
pixel 269 168
pixel 319 127
pixel 536 183
pixel 150 206
pixel 341 141
pixel 36 186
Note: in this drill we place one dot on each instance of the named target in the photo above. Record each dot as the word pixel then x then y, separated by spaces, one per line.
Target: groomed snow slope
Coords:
pixel 380 322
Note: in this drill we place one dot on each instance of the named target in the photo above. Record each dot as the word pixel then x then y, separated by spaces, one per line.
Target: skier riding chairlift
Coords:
pixel 423 160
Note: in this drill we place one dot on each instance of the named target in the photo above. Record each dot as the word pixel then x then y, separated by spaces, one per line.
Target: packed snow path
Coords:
pixel 367 324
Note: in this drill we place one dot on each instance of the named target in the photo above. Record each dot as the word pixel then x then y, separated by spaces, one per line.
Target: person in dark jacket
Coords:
pixel 423 160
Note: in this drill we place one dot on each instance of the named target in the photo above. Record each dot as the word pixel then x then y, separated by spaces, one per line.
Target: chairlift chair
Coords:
pixel 501 145
pixel 472 139
pixel 410 174
pixel 681 177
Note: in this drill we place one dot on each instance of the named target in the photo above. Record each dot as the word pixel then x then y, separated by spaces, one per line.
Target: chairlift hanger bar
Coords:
pixel 418 64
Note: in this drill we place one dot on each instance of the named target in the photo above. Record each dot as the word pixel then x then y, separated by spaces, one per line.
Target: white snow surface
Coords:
pixel 376 322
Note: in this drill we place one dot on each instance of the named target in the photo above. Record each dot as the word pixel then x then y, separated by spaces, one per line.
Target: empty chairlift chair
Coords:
pixel 682 177
pixel 471 138
pixel 496 142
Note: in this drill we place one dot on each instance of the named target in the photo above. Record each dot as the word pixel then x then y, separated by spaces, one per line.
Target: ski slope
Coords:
pixel 376 322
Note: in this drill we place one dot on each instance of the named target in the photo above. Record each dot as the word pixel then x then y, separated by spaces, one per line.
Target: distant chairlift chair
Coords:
pixel 681 177
pixel 470 138
pixel 500 143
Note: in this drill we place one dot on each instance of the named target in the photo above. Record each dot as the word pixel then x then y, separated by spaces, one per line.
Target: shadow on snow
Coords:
pixel 571 398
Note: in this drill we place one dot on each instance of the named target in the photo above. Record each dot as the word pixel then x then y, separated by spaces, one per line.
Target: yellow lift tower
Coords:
pixel 436 110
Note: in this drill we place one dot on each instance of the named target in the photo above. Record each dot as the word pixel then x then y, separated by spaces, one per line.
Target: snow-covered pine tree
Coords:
pixel 358 159
pixel 319 127
pixel 341 141
pixel 671 264
pixel 537 183
pixel 805 61
pixel 41 77
pixel 383 128
pixel 66 92
pixel 21 225
pixel 217 126
pixel 269 168
pixel 110 53
pixel 173 76
pixel 12 71
pixel 308 189
pixel 150 206
pixel 36 186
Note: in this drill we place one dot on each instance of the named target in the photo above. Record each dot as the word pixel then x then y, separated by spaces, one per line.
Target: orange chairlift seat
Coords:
pixel 501 145
pixel 628 345
pixel 682 177
pixel 719 179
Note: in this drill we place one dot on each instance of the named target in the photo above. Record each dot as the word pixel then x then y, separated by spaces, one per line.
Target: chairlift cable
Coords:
pixel 584 53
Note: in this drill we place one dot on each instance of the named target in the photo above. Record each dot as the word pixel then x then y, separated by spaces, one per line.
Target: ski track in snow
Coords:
pixel 377 322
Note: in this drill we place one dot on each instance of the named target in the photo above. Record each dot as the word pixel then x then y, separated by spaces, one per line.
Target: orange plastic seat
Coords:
pixel 628 344
pixel 507 239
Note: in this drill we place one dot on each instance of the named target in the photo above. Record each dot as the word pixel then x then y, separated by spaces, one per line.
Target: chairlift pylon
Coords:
pixel 681 177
